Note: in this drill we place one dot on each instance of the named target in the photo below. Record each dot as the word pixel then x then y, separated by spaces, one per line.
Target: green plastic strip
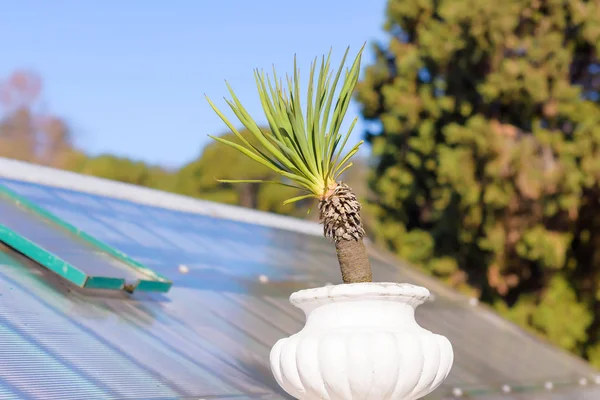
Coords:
pixel 150 281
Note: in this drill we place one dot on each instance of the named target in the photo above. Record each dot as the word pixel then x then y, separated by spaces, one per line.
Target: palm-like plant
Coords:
pixel 307 149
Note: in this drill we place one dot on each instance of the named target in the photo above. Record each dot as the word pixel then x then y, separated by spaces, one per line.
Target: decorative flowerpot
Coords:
pixel 361 341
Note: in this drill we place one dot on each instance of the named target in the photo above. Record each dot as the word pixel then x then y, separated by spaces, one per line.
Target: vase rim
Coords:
pixel 362 291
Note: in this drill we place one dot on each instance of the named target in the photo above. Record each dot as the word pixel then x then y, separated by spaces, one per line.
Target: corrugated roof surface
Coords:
pixel 210 336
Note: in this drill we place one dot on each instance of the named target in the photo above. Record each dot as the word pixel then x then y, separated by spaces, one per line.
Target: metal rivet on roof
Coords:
pixel 263 279
pixel 583 381
pixel 473 301
pixel 183 269
pixel 457 392
pixel 506 388
pixel 549 385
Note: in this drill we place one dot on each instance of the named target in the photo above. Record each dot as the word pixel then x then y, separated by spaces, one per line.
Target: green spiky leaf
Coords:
pixel 305 147
pixel 295 199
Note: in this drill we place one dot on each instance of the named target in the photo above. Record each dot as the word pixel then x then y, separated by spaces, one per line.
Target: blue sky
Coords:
pixel 130 75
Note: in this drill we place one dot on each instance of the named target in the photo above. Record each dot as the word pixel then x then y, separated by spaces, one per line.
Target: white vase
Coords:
pixel 361 341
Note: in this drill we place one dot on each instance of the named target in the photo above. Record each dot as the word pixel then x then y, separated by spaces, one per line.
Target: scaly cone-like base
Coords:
pixel 340 214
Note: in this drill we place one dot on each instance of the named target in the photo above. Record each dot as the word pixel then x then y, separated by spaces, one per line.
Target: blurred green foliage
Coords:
pixel 486 143
pixel 123 170
pixel 198 177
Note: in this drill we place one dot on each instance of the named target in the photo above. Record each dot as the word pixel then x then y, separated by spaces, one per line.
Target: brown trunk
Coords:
pixel 249 195
pixel 354 261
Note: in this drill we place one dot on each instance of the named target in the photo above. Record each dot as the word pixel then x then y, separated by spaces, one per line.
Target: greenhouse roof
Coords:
pixel 209 335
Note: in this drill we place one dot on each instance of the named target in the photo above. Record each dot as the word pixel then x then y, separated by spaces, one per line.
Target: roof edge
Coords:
pixel 32 173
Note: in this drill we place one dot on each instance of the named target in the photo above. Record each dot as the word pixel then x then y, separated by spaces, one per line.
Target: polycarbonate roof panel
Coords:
pixel 67 250
pixel 162 238
pixel 68 247
pixel 210 336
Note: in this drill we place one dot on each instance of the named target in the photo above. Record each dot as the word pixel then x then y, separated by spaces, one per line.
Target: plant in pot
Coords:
pixel 360 340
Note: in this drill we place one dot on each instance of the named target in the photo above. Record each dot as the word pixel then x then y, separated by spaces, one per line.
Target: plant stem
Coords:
pixel 354 261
